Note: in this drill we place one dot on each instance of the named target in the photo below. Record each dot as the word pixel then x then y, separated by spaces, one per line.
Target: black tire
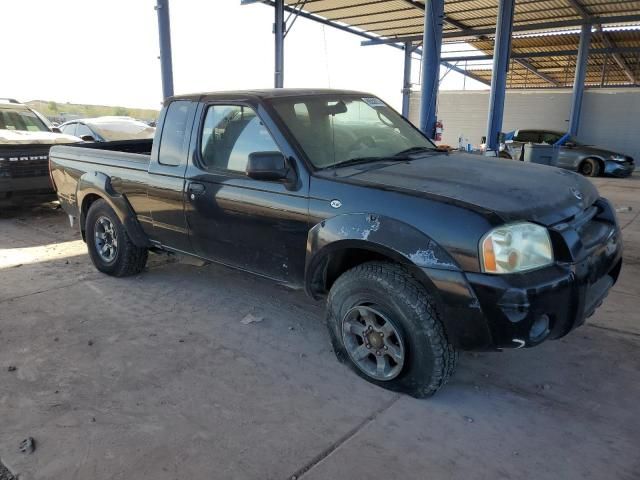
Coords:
pixel 590 167
pixel 429 358
pixel 128 259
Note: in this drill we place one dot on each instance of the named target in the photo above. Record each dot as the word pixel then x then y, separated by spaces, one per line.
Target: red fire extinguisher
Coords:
pixel 438 131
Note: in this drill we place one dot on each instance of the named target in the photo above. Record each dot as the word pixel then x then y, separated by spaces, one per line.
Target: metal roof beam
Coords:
pixel 467 73
pixel 522 28
pixel 578 7
pixel 550 53
pixel 619 59
pixel 454 23
pixel 606 40
pixel 324 21
pixel 329 23
pixel 464 27
pixel 536 72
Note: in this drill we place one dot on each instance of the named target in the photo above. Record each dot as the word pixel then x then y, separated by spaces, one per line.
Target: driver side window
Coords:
pixel 527 136
pixel 69 129
pixel 230 134
pixel 550 138
pixel 83 130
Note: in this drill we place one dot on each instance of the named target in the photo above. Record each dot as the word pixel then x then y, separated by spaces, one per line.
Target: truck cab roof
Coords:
pixel 266 94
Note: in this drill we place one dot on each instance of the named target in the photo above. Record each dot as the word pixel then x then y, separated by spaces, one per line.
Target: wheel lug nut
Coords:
pixel 368 346
pixel 386 348
pixel 378 352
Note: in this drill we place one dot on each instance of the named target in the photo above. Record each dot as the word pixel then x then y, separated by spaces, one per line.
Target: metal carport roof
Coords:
pixel 557 59
pixel 540 27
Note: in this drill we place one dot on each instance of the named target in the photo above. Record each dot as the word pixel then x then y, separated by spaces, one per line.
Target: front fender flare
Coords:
pixel 97 183
pixel 387 236
pixel 462 316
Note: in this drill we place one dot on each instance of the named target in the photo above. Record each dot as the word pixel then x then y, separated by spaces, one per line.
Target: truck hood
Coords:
pixel 515 191
pixel 22 137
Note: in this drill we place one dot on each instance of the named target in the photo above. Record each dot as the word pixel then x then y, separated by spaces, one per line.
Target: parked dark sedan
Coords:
pixel 588 160
pixel 108 129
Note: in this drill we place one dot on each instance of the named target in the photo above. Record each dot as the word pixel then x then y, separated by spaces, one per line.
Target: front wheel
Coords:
pixel 383 324
pixel 110 248
pixel 590 167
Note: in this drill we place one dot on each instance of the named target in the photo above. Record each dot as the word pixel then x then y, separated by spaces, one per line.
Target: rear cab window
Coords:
pixel 175 138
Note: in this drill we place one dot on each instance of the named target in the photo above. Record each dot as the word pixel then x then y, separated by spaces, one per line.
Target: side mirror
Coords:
pixel 56 130
pixel 569 144
pixel 88 138
pixel 267 166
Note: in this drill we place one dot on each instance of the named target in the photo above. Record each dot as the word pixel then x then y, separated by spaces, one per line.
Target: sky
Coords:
pixel 106 52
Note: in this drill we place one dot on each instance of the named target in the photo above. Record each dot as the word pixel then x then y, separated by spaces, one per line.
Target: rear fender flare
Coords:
pixel 99 184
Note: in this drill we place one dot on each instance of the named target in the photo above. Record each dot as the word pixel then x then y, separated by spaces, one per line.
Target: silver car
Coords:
pixel 108 129
pixel 589 160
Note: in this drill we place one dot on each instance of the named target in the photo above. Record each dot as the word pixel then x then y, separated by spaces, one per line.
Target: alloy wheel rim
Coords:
pixel 106 240
pixel 373 342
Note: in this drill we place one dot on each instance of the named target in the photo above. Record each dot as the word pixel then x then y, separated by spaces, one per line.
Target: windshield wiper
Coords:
pixel 412 150
pixel 357 160
pixel 404 155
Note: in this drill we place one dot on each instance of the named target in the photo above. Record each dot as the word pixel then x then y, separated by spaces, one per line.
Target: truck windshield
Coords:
pixel 336 130
pixel 21 119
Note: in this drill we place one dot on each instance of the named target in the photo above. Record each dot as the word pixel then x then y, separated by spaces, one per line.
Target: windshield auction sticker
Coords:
pixel 373 102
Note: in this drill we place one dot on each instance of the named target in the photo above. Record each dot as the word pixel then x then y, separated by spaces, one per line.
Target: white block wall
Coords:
pixel 610 117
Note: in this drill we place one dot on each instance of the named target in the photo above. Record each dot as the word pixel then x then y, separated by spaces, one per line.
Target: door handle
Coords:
pixel 195 189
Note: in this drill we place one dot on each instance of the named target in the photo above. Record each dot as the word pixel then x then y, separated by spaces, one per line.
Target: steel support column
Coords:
pixel 164 32
pixel 278 31
pixel 406 82
pixel 501 53
pixel 431 46
pixel 578 81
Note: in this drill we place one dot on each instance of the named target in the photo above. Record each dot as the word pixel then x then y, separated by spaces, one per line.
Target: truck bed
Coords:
pixel 130 154
pixel 126 163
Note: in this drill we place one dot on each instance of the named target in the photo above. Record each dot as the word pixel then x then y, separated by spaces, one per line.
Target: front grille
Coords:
pixel 23 163
pixel 591 227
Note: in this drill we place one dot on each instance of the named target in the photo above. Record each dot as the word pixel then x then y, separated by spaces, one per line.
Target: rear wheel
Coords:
pixel 385 327
pixel 110 248
pixel 590 167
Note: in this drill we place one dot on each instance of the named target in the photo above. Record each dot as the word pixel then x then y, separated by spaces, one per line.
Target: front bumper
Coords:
pixel 566 293
pixel 619 169
pixel 25 186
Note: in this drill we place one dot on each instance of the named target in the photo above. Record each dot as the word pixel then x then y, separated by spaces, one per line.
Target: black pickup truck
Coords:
pixel 419 252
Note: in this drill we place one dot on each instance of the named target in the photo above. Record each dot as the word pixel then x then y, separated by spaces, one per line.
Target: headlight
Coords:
pixel 617 158
pixel 515 248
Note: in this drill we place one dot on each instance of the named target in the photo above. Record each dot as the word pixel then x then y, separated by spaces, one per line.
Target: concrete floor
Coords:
pixel 155 377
